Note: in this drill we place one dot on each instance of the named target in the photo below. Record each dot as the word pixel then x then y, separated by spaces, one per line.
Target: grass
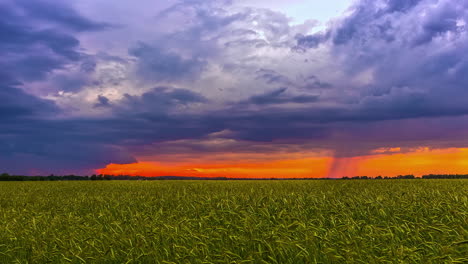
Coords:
pixel 373 221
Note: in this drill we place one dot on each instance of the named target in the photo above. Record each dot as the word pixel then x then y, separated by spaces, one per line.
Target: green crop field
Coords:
pixel 361 221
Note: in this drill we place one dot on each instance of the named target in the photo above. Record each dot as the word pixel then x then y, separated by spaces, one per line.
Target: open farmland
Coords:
pixel 373 221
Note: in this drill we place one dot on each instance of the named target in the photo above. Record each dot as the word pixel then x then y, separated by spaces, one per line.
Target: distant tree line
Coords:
pixel 101 177
pixel 409 176
pixel 445 176
pixel 7 177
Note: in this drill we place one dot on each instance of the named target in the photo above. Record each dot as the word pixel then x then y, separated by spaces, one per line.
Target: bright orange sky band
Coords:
pixel 418 162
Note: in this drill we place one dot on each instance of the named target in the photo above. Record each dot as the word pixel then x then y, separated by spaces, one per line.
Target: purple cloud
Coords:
pixel 78 92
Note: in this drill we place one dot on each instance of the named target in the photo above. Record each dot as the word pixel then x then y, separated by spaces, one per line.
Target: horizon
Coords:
pixel 234 88
pixel 8 177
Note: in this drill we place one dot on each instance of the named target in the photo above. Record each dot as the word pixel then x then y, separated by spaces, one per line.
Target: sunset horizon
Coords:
pixel 420 162
pixel 233 131
pixel 253 89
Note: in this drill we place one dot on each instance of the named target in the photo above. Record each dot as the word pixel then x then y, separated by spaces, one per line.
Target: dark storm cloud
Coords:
pixel 29 136
pixel 438 22
pixel 400 5
pixel 157 64
pixel 48 152
pixel 35 145
pixel 71 83
pixel 29 54
pixel 17 104
pixel 102 101
pixel 30 49
pixel 14 104
pixel 369 19
pixel 272 77
pixel 310 41
pixel 406 84
pixel 418 68
pixel 80 145
pixel 279 96
pixel 160 100
pixel 36 38
pixel 59 13
pixel 17 35
pixel 313 82
pixel 29 132
pixel 201 24
pixel 400 81
pixel 414 72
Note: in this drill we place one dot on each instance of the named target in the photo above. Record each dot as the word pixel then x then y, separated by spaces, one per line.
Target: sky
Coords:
pixel 234 88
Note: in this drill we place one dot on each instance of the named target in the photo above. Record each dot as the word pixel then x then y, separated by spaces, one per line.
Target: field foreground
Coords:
pixel 373 221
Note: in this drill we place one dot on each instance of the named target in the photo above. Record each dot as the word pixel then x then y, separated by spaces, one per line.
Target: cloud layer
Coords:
pixel 81 89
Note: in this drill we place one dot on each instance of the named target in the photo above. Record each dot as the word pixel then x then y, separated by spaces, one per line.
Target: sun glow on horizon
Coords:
pixel 418 162
pixel 301 168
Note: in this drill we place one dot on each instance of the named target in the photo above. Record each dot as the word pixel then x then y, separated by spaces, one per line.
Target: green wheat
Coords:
pixel 392 221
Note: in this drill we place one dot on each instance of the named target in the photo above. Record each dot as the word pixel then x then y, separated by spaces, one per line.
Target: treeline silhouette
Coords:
pixel 445 176
pixel 410 176
pixel 101 177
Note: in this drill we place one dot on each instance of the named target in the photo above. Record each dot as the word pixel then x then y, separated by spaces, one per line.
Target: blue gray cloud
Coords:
pixel 78 92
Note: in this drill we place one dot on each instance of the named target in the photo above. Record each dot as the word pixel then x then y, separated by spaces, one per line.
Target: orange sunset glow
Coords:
pixel 302 168
pixel 253 89
pixel 418 162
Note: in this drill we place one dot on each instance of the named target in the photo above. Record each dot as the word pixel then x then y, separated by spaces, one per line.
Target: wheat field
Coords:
pixel 319 221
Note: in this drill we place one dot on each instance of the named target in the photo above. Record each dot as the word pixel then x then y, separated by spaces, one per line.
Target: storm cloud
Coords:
pixel 79 92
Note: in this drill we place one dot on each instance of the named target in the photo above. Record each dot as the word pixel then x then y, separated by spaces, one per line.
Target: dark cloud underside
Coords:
pixel 383 75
